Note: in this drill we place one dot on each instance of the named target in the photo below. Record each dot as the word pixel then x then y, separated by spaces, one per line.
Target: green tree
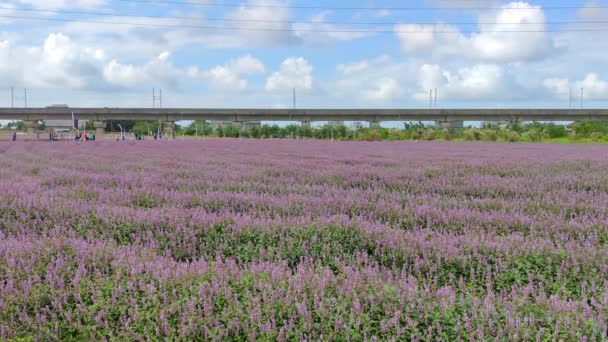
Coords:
pixel 16 125
pixel 127 125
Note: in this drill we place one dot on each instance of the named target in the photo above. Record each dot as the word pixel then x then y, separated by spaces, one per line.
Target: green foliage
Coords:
pixel 587 128
pixel 146 127
pixel 17 125
pixel 555 131
pixel 127 125
pixel 513 132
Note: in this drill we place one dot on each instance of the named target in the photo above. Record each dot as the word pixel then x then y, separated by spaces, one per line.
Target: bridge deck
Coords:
pixel 255 114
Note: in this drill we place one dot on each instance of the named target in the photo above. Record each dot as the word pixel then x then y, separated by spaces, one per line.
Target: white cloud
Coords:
pixel 8 9
pixel 558 86
pixel 383 13
pixel 495 42
pixel 9 71
pixel 373 80
pixel 224 78
pixel 266 26
pixel 125 75
pixel 228 77
pixel 479 82
pixel 247 65
pixel 593 11
pixel 57 63
pixel 594 87
pixel 294 73
pixel 317 32
pixel 414 37
pixel 383 90
pixel 159 69
pixel 61 63
pixel 58 4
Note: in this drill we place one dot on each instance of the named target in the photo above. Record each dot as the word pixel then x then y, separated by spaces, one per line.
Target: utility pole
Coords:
pixel 158 98
pixel 430 99
pixel 435 104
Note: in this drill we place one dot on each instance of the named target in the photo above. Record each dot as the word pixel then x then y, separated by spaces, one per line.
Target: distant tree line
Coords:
pixel 529 132
pixel 596 131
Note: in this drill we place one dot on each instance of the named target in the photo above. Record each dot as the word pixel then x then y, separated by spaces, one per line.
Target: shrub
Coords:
pixel 597 136
pixel 510 136
pixel 447 134
pixel 471 134
pixel 555 131
pixel 489 135
pixel 533 136
pixel 429 134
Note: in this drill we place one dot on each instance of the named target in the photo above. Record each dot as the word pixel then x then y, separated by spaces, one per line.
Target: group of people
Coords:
pixel 140 136
pixel 53 136
pixel 85 137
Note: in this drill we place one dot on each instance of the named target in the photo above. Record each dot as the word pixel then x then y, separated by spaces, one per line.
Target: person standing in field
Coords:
pixel 14 136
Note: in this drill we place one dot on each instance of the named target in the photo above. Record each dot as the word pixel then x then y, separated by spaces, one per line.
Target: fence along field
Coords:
pixel 284 240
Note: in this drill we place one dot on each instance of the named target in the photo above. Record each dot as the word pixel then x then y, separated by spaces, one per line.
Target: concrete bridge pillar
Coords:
pixel 248 125
pixel 451 124
pixel 100 127
pixel 31 125
pixel 374 124
pixel 169 128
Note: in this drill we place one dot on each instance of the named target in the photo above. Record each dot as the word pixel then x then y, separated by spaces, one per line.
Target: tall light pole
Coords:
pixel 122 135
pixel 158 98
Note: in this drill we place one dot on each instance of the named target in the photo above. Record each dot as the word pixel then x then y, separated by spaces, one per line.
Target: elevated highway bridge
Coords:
pixel 444 117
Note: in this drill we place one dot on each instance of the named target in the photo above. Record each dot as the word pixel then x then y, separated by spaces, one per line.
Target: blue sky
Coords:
pixel 466 49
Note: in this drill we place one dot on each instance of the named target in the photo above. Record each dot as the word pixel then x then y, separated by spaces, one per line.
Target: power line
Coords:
pixel 119 15
pixel 234 28
pixel 443 8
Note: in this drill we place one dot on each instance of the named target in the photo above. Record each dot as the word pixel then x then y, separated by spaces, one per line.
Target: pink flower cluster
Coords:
pixel 303 240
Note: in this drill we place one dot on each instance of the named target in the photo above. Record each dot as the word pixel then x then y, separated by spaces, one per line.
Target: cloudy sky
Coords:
pixel 336 53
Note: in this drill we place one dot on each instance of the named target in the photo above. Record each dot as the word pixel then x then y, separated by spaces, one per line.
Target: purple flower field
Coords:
pixel 303 240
